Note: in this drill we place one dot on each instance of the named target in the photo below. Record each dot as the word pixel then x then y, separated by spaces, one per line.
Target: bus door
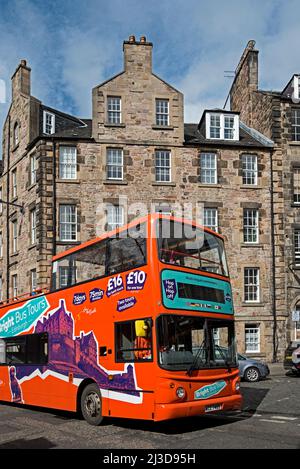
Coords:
pixel 131 395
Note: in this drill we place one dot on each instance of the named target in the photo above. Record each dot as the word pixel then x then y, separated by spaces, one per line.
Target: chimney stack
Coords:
pixel 137 55
pixel 21 80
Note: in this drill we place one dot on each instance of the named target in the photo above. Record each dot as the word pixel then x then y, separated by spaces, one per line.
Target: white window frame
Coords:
pixel 14 236
pixel 222 118
pixel 296 84
pixel 251 226
pixel 14 184
pixel 68 226
pixel 296 185
pixel 114 109
pixel 114 216
pixel 33 280
pixel 33 169
pixel 249 169
pixel 211 214
pixel 16 134
pixel 162 112
pixel 14 278
pixel 252 331
pixel 33 226
pixel 163 166
pixel 208 168
pixel 46 125
pixel 114 164
pixel 297 247
pixel 254 286
pixel 296 125
pixel 1 244
pixel 67 162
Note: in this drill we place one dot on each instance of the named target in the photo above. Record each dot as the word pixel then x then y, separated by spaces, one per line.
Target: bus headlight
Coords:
pixel 180 392
pixel 237 386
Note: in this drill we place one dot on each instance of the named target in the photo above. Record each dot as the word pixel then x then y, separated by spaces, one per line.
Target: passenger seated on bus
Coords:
pixel 142 343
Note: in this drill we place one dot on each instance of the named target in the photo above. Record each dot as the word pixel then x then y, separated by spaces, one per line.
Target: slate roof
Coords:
pixel 66 125
pixel 248 137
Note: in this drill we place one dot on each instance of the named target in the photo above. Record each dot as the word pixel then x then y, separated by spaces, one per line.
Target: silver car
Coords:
pixel 252 370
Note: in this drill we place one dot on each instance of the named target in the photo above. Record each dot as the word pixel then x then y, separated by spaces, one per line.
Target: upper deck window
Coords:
pixel 106 257
pixel 186 246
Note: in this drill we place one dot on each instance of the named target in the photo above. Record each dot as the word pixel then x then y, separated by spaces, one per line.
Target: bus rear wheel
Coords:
pixel 91 405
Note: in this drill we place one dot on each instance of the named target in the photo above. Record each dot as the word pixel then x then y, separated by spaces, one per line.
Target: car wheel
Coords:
pixel 252 374
pixel 91 405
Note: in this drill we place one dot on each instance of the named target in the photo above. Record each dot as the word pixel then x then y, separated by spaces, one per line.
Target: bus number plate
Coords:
pixel 213 407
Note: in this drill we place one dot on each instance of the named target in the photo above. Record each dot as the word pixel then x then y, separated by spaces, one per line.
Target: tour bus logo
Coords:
pixel 96 294
pixel 210 390
pixel 79 298
pixel 228 297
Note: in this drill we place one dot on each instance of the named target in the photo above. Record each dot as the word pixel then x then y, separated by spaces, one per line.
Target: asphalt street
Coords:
pixel 270 419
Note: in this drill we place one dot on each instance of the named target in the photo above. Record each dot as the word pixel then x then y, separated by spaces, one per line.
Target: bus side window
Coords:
pixel 125 253
pixel 133 341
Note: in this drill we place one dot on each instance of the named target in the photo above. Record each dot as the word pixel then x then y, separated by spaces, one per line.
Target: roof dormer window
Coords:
pixel 222 126
pixel 48 123
pixel 296 87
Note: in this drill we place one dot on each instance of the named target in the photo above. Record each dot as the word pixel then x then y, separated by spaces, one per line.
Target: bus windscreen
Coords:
pixel 185 245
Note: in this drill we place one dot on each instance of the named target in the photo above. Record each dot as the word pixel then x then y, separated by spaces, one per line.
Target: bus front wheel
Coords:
pixel 91 406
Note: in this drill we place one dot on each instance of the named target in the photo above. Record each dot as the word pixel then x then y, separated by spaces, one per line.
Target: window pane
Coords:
pixel 163 166
pixel 211 218
pixel 115 217
pixel 250 226
pixel 162 112
pixel 67 162
pixel 296 124
pixel 68 222
pixel 114 109
pixel 252 338
pixel 251 284
pixel 249 169
pixel 208 168
pixel 125 254
pixel 114 163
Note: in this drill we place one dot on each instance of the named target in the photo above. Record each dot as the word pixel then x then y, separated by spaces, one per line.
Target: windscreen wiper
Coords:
pixel 193 365
pixel 226 361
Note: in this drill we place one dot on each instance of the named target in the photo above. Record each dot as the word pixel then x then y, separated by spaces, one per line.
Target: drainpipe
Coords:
pixel 54 200
pixel 7 211
pixel 274 312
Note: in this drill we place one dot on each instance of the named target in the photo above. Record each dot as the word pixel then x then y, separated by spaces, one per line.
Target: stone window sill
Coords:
pixel 108 124
pixel 32 246
pixel 162 127
pixel 115 182
pixel 15 147
pixel 295 143
pixel 68 243
pixel 168 184
pixel 253 305
pixel 210 185
pixel 249 186
pixel 31 186
pixel 68 181
pixel 252 245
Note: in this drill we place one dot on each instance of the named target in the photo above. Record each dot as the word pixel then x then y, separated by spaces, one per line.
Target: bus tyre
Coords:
pixel 252 374
pixel 91 405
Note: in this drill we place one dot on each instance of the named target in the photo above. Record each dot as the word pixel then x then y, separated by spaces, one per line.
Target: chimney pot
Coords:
pixel 143 39
pixel 23 63
pixel 132 38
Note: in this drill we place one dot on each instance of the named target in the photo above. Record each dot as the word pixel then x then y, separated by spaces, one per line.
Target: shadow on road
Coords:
pixel 37 443
pixel 252 398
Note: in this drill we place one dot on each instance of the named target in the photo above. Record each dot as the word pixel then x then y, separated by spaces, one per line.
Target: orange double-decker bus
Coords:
pixel 138 323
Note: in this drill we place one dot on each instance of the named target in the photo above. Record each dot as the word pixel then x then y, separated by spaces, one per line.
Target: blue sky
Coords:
pixel 72 45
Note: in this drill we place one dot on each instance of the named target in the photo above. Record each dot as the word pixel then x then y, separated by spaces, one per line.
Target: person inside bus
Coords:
pixel 142 343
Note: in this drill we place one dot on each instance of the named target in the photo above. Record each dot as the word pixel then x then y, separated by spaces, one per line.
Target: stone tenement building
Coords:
pixel 136 146
pixel 277 115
